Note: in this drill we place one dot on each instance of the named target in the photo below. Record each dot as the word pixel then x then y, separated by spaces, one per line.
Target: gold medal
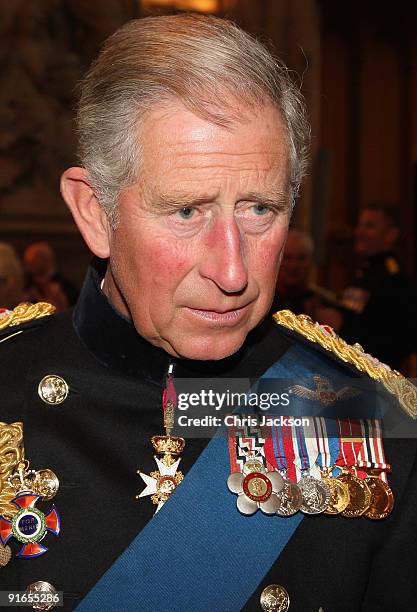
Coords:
pixel 359 495
pixel 382 499
pixel 339 495
pixel 373 462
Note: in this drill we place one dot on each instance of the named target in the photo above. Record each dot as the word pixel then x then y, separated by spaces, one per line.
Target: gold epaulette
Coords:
pixel 25 312
pixel 325 336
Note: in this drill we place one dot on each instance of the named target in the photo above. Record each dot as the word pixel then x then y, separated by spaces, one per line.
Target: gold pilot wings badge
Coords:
pixel 324 392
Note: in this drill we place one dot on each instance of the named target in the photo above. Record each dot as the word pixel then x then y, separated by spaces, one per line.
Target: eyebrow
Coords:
pixel 277 199
pixel 274 198
pixel 178 200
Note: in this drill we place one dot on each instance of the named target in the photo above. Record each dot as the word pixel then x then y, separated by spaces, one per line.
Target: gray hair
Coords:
pixel 208 63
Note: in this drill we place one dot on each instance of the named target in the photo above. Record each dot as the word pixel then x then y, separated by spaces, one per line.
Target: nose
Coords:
pixel 223 260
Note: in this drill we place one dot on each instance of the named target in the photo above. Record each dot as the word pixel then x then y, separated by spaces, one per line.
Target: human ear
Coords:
pixel 87 212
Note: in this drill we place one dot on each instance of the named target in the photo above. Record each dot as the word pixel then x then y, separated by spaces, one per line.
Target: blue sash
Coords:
pixel 198 552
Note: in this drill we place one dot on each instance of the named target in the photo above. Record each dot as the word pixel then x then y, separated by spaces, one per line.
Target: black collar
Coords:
pixel 114 341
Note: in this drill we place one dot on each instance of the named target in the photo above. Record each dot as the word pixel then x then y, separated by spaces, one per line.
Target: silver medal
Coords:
pixel 290 499
pixel 316 495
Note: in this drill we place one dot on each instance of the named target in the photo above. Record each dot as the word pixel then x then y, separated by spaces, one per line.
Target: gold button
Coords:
pixel 46 484
pixel 44 589
pixel 53 389
pixel 274 598
pixel 5 555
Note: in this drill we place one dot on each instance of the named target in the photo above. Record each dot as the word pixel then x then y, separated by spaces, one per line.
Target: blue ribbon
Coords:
pixel 198 552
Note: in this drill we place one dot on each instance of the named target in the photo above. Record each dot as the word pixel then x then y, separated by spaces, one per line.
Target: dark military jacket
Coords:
pixel 381 305
pixel 99 436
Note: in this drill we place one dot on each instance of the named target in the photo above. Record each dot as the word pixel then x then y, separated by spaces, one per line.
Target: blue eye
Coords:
pixel 186 213
pixel 260 209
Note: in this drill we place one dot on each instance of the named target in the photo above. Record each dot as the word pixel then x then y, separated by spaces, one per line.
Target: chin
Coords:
pixel 209 348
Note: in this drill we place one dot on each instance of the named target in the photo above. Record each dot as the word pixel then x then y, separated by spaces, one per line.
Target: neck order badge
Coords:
pixel 162 483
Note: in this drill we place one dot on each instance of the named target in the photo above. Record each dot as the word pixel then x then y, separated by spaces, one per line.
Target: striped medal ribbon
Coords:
pixel 329 448
pixel 280 448
pixel 246 443
pixel 315 492
pixel 372 454
pixel 351 442
pixel 256 485
pixel 372 460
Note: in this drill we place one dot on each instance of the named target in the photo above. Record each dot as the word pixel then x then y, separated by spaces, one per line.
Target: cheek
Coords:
pixel 266 256
pixel 164 263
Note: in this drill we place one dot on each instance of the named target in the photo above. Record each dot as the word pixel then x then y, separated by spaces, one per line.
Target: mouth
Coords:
pixel 221 317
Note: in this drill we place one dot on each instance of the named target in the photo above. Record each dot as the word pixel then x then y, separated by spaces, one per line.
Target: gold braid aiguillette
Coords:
pixel 12 454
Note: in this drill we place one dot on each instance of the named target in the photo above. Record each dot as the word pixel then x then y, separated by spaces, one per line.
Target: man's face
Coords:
pixel 374 234
pixel 296 264
pixel 194 258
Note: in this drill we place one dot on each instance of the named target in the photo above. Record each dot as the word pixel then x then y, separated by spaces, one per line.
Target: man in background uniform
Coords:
pixel 379 305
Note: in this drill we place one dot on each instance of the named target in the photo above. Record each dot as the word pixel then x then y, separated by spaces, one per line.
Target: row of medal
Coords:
pixel 330 466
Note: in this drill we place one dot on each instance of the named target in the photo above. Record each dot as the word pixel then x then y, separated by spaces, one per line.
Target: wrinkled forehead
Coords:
pixel 255 140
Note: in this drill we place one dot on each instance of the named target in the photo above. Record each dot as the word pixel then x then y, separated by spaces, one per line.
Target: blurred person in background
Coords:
pixel 378 307
pixel 11 277
pixel 295 289
pixel 44 283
